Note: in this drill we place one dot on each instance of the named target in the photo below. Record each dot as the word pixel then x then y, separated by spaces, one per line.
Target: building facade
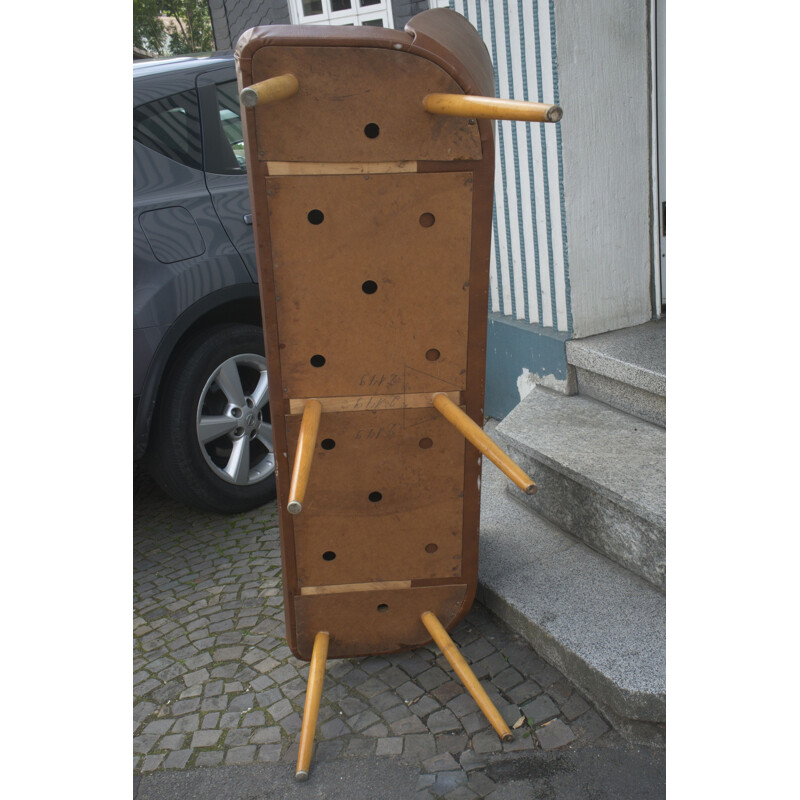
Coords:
pixel 578 244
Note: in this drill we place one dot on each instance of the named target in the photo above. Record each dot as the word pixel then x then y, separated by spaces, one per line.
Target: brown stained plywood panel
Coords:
pixel 371 284
pixel 373 622
pixel 413 459
pixel 358 104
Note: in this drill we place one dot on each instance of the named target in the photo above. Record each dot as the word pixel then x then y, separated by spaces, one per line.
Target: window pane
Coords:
pixel 340 5
pixel 171 126
pixel 311 7
pixel 378 23
pixel 230 120
pixel 369 2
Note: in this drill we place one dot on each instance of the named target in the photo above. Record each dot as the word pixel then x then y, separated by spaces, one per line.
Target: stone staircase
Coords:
pixel 579 567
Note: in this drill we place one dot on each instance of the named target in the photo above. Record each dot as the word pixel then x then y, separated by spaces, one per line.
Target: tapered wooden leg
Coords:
pixel 316 676
pixel 278 88
pixel 306 441
pixel 467 676
pixel 474 435
pixel 463 105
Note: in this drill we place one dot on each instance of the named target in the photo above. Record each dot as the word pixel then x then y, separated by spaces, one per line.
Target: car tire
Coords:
pixel 211 446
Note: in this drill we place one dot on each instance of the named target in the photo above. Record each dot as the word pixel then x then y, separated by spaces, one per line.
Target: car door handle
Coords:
pixel 248 219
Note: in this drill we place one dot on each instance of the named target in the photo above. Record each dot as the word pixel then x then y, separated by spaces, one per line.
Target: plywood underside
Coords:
pixel 345 90
pixel 384 502
pixel 363 204
pixel 373 622
pixel 371 237
pixel 371 275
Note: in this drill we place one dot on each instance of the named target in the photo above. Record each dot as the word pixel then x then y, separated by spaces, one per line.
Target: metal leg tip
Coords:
pixel 294 507
pixel 301 776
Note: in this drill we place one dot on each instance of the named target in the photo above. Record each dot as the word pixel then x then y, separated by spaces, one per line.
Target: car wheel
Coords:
pixel 212 438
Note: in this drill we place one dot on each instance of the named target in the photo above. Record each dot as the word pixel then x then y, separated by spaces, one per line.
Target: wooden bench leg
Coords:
pixel 483 442
pixel 306 441
pixel 467 676
pixel 278 88
pixel 316 676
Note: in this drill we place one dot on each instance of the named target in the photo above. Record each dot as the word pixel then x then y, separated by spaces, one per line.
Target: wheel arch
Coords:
pixel 238 303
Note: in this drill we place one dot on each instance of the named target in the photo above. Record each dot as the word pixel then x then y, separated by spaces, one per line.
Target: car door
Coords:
pixel 225 167
pixel 182 254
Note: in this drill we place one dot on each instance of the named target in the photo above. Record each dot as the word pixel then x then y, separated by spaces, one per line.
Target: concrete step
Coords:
pixel 601 475
pixel 625 369
pixel 599 624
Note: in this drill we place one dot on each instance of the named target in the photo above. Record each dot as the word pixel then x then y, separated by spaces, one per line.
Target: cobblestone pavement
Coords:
pixel 215 683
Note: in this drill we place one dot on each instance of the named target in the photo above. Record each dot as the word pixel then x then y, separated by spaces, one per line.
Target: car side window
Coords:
pixel 230 119
pixel 171 126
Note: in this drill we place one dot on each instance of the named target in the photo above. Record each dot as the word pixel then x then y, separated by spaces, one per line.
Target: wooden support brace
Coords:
pixel 467 676
pixel 466 105
pixel 316 677
pixel 278 88
pixel 473 434
pixel 306 441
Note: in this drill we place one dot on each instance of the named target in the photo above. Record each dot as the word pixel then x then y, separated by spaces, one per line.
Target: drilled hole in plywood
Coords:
pixel 369 287
pixel 433 354
pixel 317 361
pixel 427 220
pixel 328 555
pixel 375 497
pixel 371 131
pixel 327 444
pixel 426 443
pixel 382 607
pixel 315 216
pixel 431 548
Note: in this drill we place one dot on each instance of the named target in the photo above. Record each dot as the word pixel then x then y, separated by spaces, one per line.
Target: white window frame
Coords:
pixel 357 15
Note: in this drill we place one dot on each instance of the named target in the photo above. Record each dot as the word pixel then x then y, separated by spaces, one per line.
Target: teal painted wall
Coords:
pixel 516 354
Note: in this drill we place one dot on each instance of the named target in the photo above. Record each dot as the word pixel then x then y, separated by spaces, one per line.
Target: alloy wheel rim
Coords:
pixel 232 425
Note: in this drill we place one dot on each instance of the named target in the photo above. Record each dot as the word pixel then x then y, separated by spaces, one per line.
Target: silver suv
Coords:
pixel 200 407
